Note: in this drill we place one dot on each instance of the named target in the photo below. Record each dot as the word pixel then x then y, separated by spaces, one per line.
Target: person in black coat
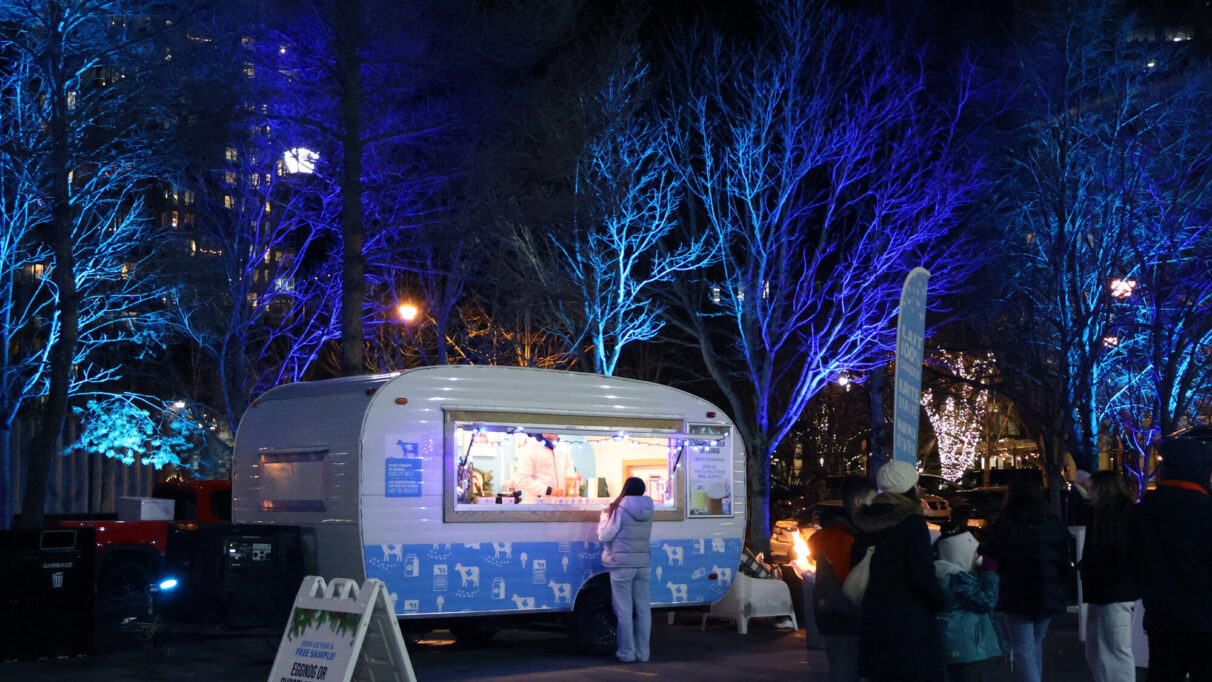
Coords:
pixel 1034 553
pixel 900 638
pixel 1108 560
pixel 1174 539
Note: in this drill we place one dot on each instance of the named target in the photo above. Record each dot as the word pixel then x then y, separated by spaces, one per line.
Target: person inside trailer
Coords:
pixel 544 468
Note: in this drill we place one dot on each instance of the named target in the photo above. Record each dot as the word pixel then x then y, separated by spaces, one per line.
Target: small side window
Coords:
pixel 293 481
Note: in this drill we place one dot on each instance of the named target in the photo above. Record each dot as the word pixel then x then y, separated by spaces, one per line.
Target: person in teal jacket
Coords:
pixel 969 636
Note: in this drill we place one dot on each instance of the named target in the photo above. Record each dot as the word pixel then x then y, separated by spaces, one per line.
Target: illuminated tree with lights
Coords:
pixel 622 242
pixel 826 172
pixel 131 428
pixel 262 300
pixel 1160 347
pixel 82 144
pixel 1104 167
pixel 958 409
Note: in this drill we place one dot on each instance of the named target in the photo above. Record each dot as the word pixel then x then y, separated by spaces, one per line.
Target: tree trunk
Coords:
pixel 46 438
pixel 757 497
pixel 6 502
pixel 353 283
pixel 1053 462
pixel 875 394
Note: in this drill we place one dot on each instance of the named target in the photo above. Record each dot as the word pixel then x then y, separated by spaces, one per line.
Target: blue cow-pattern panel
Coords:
pixel 531 576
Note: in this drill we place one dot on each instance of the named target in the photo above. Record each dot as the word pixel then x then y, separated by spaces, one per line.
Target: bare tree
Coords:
pixel 1103 166
pixel 80 146
pixel 623 242
pixel 826 172
pixel 1160 341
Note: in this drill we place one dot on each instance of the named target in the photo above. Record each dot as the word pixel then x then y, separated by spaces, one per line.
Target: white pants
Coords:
pixel 631 596
pixel 1109 642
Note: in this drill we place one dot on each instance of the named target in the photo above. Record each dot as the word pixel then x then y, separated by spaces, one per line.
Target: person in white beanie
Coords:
pixel 969 635
pixel 900 635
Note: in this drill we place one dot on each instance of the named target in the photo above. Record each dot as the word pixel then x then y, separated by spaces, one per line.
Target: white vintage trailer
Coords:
pixel 395 477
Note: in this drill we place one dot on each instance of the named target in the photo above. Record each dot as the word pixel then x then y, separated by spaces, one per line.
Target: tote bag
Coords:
pixel 855 585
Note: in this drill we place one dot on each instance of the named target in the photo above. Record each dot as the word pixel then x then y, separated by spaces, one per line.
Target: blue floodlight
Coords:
pixel 168 584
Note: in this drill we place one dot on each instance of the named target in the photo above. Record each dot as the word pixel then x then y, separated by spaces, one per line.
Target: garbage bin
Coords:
pixel 240 575
pixel 46 593
pixel 806 611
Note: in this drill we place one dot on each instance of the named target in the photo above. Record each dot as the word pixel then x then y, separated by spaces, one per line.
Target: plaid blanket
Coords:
pixel 755 568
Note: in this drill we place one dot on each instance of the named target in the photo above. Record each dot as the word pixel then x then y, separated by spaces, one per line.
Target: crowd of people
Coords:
pixel 893 605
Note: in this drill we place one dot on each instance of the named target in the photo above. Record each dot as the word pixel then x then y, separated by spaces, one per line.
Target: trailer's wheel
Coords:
pixel 125 579
pixel 593 628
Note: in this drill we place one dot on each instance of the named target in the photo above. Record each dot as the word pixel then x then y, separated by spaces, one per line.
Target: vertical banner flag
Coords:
pixel 910 341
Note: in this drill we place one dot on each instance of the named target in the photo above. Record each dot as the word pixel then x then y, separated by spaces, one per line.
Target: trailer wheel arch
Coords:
pixel 592 627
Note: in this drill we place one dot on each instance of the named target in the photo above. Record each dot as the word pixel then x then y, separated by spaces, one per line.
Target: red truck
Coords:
pixel 130 554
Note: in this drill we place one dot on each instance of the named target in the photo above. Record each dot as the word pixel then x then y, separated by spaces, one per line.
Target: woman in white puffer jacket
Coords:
pixel 624 529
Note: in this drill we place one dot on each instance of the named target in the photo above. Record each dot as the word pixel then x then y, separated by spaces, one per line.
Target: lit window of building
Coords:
pixel 227 202
pixel 300 160
pixel 231 154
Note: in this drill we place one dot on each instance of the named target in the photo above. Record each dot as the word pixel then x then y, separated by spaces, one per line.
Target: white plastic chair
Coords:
pixel 753 598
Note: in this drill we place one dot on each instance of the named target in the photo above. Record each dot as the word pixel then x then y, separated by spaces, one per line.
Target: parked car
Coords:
pixel 979 507
pixel 937 485
pixel 997 477
pixel 788 500
pixel 805 522
pixel 936 509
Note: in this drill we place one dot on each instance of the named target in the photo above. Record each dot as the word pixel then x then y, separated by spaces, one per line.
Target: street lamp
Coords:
pixel 408 312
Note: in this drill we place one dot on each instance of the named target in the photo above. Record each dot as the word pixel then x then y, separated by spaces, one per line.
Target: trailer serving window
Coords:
pixel 513 467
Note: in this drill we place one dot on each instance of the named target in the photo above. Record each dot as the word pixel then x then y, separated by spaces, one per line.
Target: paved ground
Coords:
pixel 680 652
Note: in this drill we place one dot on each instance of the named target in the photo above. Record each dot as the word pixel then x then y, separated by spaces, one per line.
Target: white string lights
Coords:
pixel 957 419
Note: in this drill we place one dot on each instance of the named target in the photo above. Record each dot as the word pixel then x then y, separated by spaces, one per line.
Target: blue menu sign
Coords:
pixel 403 476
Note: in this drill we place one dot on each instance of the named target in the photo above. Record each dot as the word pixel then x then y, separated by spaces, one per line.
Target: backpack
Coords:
pixel 855 585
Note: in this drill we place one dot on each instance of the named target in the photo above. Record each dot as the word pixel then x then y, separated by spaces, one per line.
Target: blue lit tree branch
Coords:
pixel 359 83
pixel 132 428
pixel 79 138
pixel 257 308
pixel 623 240
pixel 1098 191
pixel 1160 363
pixel 826 172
